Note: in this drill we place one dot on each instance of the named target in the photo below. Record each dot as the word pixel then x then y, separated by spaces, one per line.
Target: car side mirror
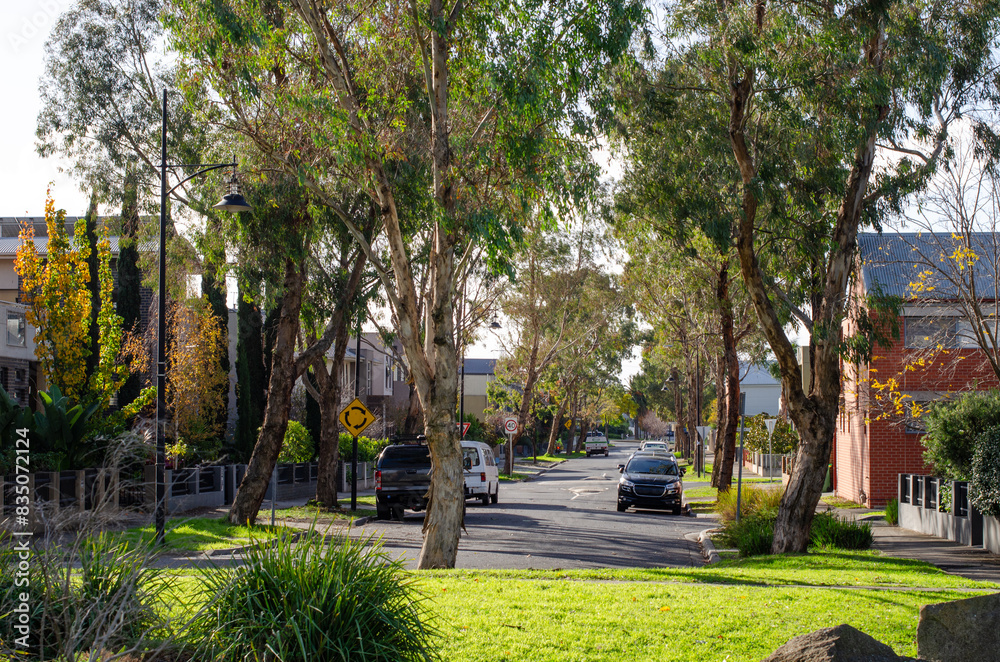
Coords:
pixel 683 471
pixel 621 468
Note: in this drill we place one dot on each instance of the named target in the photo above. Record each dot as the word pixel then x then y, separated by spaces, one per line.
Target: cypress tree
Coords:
pixel 251 384
pixel 129 301
pixel 213 286
pixel 94 285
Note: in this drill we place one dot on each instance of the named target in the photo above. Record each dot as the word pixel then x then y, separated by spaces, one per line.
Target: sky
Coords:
pixel 25 176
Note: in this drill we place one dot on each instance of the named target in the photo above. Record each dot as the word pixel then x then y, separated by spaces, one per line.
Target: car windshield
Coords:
pixel 651 465
pixel 655 445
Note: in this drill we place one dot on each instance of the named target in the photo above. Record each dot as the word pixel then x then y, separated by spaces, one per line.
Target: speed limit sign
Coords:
pixel 510 424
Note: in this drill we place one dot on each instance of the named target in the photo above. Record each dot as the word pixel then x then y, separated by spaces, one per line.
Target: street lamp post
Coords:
pixel 233 202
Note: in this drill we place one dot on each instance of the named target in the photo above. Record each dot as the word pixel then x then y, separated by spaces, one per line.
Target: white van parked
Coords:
pixel 482 476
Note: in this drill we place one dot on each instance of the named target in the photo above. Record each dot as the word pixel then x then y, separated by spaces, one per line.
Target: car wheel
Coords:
pixel 605 452
pixel 382 511
pixel 397 512
pixel 485 499
pixel 496 494
pixel 676 510
pixel 622 507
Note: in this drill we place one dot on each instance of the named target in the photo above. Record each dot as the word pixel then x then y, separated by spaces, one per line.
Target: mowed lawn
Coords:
pixel 734 611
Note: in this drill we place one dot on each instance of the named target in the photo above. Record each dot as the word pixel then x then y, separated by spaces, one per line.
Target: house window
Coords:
pixel 388 376
pixel 921 332
pixel 15 328
pixel 914 424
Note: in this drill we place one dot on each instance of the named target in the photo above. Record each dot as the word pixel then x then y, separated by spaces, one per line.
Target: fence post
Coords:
pixel 81 490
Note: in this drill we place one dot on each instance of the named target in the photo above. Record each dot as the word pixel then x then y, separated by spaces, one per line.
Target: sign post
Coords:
pixel 770 423
pixel 510 428
pixel 355 418
pixel 703 431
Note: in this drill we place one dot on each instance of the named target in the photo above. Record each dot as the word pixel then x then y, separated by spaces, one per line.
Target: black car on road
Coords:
pixel 650 481
pixel 402 479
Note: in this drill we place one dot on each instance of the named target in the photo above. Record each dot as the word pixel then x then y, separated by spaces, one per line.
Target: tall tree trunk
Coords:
pixel 720 418
pixel 329 387
pixel 253 488
pixel 692 412
pixel 557 422
pixel 527 397
pixel 414 416
pixel 571 441
pixel 680 437
pixel 732 363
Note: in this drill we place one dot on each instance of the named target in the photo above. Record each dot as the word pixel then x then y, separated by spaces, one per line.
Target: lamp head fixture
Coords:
pixel 234 200
pixel 495 324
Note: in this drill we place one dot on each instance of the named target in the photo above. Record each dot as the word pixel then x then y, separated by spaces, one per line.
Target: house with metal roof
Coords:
pixel 934 356
pixel 762 389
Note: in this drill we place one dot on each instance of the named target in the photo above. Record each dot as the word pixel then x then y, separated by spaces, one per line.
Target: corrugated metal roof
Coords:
pixel 891 261
pixel 9 246
pixel 479 366
pixel 755 375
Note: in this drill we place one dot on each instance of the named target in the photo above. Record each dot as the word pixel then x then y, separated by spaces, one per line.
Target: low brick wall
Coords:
pixel 923 508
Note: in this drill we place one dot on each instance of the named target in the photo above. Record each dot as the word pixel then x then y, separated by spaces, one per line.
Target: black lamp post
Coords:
pixel 233 202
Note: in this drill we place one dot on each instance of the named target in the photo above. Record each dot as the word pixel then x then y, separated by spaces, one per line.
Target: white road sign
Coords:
pixel 510 424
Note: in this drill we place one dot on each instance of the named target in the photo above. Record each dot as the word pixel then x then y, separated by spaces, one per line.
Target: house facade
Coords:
pixel 762 390
pixel 935 356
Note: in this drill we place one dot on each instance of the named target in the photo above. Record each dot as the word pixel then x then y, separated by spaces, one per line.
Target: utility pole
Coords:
pixel 354 443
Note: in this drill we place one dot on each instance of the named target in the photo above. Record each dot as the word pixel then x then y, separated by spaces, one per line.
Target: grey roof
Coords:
pixel 479 366
pixel 891 261
pixel 9 246
pixel 755 375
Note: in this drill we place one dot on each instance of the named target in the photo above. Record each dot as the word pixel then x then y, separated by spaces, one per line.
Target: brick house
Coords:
pixel 878 432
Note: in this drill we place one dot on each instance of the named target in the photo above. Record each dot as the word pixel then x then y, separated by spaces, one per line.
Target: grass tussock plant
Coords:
pixel 753 501
pixel 315 600
pixel 99 595
pixel 892 512
pixel 751 536
pixel 829 531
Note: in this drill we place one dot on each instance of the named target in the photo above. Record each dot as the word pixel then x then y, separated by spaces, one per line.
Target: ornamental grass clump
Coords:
pixel 753 500
pixel 315 600
pixel 829 531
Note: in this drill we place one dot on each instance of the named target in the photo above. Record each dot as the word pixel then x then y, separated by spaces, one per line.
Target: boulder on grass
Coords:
pixel 960 630
pixel 842 643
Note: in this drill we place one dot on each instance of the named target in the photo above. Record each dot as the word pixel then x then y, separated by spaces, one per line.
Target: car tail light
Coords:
pixel 378 481
pixel 482 476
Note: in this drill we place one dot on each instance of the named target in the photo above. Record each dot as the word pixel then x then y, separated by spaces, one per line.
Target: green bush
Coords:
pixel 892 512
pixel 984 490
pixel 368 448
pixel 784 440
pixel 752 536
pixel 298 444
pixel 952 430
pixel 315 601
pixel 830 531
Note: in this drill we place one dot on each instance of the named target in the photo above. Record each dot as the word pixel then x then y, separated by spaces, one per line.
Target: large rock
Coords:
pixel 961 630
pixel 837 644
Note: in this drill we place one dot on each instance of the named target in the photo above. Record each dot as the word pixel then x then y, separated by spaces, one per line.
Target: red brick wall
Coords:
pixel 870 457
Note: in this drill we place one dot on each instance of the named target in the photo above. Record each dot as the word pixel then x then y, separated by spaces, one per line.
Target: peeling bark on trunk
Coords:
pixel 720 417
pixel 557 422
pixel 253 488
pixel 414 417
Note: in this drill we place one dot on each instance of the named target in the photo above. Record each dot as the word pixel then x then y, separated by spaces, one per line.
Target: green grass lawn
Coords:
pixel 838 502
pixel 512 478
pixel 366 508
pixel 709 492
pixel 200 534
pixel 559 457
pixel 731 611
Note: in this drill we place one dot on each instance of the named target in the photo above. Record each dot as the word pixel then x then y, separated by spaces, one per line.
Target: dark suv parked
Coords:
pixel 650 481
pixel 402 480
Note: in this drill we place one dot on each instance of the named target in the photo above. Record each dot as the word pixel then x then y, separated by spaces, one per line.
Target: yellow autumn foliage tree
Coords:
pixel 55 290
pixel 194 375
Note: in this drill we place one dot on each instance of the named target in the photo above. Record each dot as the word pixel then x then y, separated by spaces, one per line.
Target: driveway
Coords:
pixel 565 518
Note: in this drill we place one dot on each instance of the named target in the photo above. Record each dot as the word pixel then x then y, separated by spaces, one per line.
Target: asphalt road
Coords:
pixel 565 518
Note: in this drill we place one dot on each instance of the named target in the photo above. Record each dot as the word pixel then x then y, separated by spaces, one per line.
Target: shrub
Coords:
pixel 984 492
pixel 892 512
pixel 368 448
pixel 830 531
pixel 753 501
pixel 298 444
pixel 752 536
pixel 784 439
pixel 952 430
pixel 352 603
